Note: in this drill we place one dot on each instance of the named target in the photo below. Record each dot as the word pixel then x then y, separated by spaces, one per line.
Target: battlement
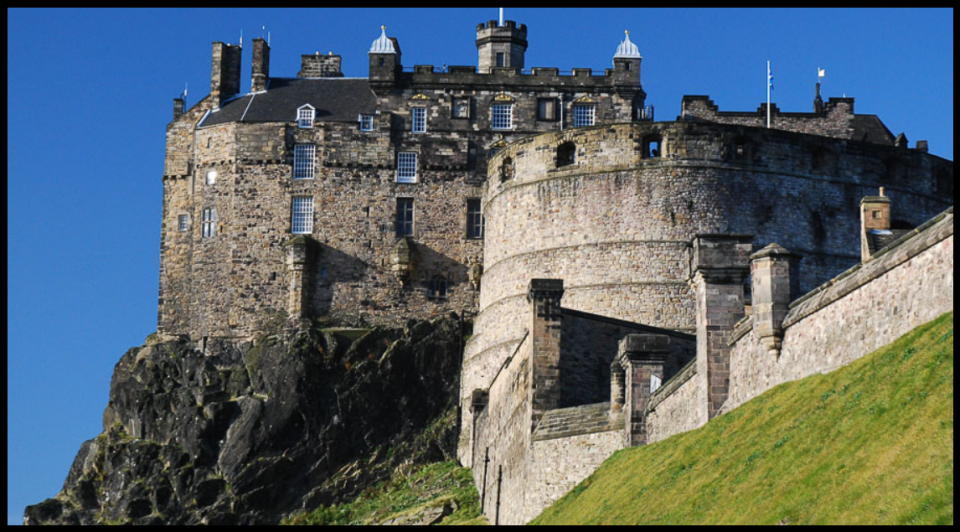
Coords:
pixel 834 119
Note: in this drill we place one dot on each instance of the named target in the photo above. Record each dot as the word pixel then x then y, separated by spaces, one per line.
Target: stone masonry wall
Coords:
pixel 568 445
pixel 616 225
pixel 864 309
pixel 675 407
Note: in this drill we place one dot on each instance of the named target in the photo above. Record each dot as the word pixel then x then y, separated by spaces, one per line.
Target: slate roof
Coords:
pixel 877 240
pixel 334 99
pixel 869 128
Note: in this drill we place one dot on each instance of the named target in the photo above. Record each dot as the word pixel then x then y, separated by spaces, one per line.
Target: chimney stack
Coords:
pixel 874 218
pixel 177 107
pixel 225 75
pixel 260 72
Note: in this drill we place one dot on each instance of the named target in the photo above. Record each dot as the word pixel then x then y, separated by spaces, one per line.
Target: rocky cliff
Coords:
pixel 249 433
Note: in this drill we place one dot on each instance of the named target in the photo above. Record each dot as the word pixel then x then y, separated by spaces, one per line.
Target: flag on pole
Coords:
pixel 821 73
pixel 769 76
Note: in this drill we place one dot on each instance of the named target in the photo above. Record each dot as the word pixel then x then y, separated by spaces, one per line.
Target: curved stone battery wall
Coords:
pixel 612 209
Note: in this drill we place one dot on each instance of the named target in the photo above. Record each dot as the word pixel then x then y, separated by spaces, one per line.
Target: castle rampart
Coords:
pixel 616 223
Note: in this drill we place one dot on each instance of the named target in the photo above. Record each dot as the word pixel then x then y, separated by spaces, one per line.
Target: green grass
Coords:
pixel 406 496
pixel 870 443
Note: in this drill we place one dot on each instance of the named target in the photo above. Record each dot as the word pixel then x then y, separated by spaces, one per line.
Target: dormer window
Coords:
pixel 305 116
pixel 366 122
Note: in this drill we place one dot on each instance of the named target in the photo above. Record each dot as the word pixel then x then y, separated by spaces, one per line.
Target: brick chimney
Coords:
pixel 874 217
pixel 260 72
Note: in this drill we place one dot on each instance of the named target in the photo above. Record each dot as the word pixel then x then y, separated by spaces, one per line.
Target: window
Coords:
pixel 583 115
pixel 877 214
pixel 461 108
pixel 654 383
pixel 546 109
pixel 438 287
pixel 301 215
pixel 404 216
pixel 209 227
pixel 366 122
pixel 305 117
pixel 566 154
pixel 474 219
pixel 501 116
pixel 506 169
pixel 182 222
pixel 651 147
pixel 211 177
pixel 303 161
pixel 500 59
pixel 406 167
pixel 419 116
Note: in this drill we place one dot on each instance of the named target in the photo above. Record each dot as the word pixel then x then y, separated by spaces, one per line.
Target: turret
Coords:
pixel 501 45
pixel 626 62
pixel 385 63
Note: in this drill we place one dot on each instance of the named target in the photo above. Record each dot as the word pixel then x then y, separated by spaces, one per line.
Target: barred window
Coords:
pixel 303 161
pixel 583 115
pixel 407 167
pixel 419 120
pixel 366 122
pixel 305 116
pixel 301 215
pixel 404 216
pixel 474 219
pixel 182 222
pixel 501 116
pixel 209 227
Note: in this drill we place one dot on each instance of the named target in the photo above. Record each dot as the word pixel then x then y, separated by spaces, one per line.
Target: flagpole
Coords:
pixel 768 94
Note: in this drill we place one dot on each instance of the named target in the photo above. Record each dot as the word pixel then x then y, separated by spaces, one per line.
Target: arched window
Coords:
pixel 438 287
pixel 566 154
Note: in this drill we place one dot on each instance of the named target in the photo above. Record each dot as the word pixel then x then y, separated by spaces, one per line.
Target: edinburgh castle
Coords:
pixel 628 278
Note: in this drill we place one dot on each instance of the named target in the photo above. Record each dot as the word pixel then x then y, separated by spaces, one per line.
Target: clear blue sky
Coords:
pixel 90 93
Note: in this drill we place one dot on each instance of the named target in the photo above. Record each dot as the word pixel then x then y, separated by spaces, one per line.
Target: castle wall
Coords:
pixel 504 427
pixel 616 224
pixel 863 310
pixel 568 445
pixel 676 406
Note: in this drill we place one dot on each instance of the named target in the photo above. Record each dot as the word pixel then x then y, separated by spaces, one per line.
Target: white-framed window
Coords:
pixel 419 119
pixel 501 116
pixel 583 115
pixel 301 215
pixel 209 227
pixel 211 177
pixel 182 222
pixel 407 167
pixel 654 383
pixel 366 122
pixel 305 117
pixel 474 219
pixel 303 161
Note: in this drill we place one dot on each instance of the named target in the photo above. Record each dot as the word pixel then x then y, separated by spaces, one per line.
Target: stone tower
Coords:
pixel 501 46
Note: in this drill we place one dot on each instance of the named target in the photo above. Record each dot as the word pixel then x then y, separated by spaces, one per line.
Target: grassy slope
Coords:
pixel 433 485
pixel 869 443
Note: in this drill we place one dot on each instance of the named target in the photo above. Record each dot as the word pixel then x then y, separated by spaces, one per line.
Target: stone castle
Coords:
pixel 630 279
